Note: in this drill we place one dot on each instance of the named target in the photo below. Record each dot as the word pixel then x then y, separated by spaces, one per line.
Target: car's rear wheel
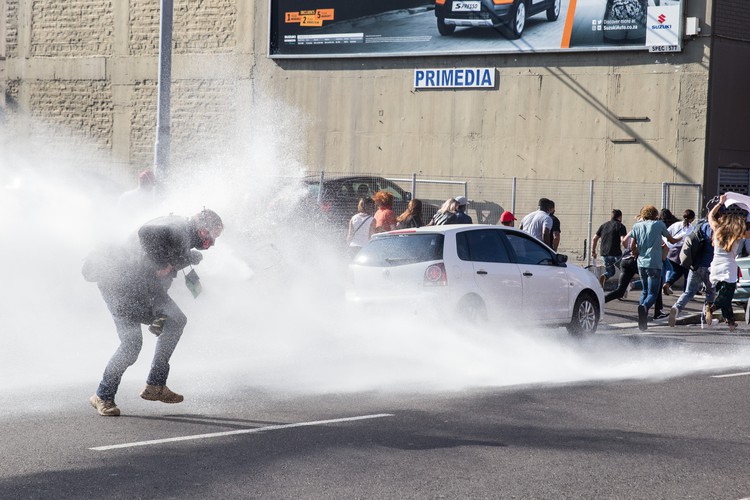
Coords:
pixel 554 12
pixel 445 29
pixel 585 315
pixel 517 23
pixel 472 309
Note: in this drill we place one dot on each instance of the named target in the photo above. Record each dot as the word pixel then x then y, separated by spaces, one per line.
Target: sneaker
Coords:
pixel 642 318
pixel 709 314
pixel 105 408
pixel 672 317
pixel 659 315
pixel 161 393
pixel 666 289
pixel 732 326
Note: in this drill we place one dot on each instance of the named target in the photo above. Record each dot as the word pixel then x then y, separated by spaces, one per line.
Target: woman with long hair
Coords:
pixel 446 214
pixel 385 219
pixel 412 216
pixel 728 231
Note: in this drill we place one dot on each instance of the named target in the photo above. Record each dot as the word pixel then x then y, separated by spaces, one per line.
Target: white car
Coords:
pixel 480 271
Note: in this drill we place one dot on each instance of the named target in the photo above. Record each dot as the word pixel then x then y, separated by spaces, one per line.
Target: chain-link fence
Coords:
pixel 581 205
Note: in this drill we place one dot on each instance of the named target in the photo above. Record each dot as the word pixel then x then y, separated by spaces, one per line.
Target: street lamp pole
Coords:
pixel 163 128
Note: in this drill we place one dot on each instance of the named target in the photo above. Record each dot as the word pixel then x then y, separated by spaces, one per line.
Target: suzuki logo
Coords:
pixel 661 18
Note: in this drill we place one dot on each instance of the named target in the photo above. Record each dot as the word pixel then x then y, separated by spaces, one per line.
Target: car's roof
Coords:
pixel 449 228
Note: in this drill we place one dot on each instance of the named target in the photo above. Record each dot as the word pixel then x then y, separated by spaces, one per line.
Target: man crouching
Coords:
pixel 134 280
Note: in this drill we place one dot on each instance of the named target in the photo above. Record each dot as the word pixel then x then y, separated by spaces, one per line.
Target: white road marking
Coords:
pixel 623 325
pixel 740 374
pixel 242 431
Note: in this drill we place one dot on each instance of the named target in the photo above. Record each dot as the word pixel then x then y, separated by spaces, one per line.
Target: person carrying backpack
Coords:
pixel 700 253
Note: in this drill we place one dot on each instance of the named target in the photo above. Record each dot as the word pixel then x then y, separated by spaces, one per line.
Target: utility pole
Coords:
pixel 163 128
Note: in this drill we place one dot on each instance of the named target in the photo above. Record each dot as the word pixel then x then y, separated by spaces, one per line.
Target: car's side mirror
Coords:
pixel 407 196
pixel 561 258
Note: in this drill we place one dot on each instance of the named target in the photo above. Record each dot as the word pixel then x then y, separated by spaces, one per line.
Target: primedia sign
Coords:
pixel 454 78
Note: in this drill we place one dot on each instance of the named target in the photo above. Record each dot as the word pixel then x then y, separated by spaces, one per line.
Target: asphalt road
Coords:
pixel 676 433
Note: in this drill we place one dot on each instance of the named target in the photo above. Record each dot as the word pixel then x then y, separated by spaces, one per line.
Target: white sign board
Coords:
pixel 663 28
pixel 454 78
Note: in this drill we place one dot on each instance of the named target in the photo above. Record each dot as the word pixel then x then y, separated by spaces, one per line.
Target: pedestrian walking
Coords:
pixel 728 232
pixel 539 223
pixel 612 235
pixel 679 229
pixel 647 244
pixel 699 275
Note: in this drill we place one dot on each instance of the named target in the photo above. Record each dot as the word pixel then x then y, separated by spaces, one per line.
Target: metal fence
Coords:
pixel 581 205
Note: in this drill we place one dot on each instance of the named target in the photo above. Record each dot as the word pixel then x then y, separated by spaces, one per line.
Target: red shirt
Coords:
pixel 385 219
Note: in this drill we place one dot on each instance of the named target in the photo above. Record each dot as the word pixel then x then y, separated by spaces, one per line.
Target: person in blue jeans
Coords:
pixel 134 279
pixel 612 235
pixel 646 244
pixel 699 275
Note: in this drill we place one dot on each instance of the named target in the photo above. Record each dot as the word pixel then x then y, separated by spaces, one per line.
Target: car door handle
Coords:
pixel 526 273
pixel 482 272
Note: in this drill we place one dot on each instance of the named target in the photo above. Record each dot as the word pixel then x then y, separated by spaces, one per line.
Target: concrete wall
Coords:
pixel 92 65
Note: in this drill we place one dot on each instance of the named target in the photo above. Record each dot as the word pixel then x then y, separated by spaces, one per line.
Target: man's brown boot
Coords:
pixel 161 393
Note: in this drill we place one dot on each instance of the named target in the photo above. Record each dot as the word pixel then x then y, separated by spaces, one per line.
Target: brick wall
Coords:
pixel 202 113
pixel 143 122
pixel 72 28
pixel 83 106
pixel 11 28
pixel 198 27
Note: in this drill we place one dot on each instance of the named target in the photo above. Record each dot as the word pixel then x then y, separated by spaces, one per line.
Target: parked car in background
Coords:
pixel 481 272
pixel 337 200
pixel 509 16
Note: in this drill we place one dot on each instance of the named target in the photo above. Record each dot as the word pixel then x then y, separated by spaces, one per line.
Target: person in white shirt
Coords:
pixel 361 226
pixel 679 229
pixel 539 223
pixel 728 232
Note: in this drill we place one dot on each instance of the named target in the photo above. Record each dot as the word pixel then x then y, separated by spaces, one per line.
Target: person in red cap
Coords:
pixel 139 203
pixel 507 218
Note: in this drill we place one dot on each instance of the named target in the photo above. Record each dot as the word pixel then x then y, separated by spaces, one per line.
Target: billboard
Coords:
pixel 397 28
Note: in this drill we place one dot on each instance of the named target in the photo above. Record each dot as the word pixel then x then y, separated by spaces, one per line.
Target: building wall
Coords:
pixel 92 65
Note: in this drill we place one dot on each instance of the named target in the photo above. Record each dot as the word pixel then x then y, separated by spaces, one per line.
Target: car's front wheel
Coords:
pixel 554 11
pixel 585 316
pixel 517 23
pixel 445 29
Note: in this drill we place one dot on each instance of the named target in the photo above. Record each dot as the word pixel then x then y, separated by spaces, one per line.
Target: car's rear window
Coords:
pixel 401 249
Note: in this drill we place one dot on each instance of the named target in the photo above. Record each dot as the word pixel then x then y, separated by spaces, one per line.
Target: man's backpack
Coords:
pixel 693 247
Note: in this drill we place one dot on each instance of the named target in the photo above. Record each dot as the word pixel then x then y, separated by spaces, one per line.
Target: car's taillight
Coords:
pixel 739 273
pixel 435 275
